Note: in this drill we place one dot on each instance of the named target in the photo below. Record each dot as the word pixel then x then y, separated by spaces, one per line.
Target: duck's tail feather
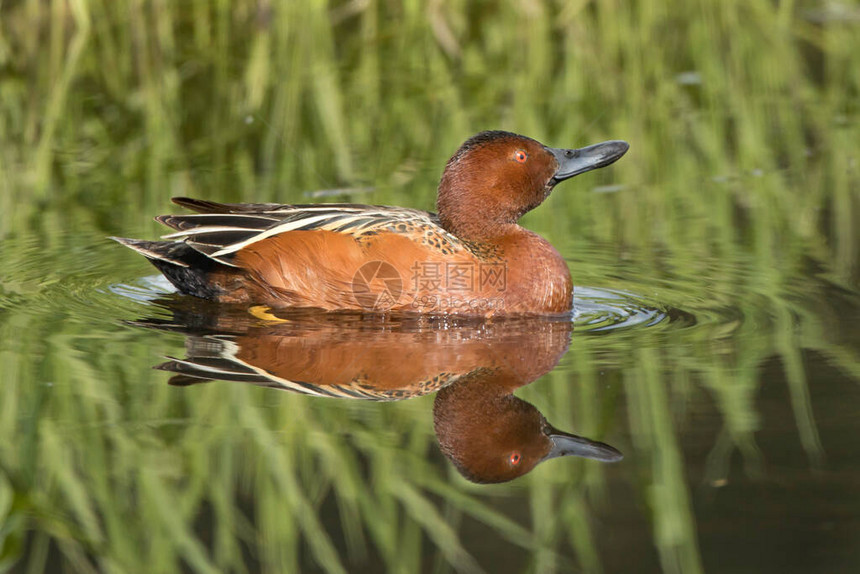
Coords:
pixel 204 369
pixel 214 358
pixel 185 267
pixel 168 252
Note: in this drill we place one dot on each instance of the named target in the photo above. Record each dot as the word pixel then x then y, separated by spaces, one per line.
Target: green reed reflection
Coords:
pixel 737 203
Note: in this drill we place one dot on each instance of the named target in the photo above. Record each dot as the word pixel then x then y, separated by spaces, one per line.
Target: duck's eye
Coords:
pixel 515 458
pixel 521 156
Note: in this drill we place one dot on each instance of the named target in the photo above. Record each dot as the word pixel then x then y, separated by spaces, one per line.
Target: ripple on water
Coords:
pixel 599 310
pixel 145 290
pixel 595 310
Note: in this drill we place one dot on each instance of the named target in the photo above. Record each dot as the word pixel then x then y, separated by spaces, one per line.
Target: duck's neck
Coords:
pixel 476 225
pixel 473 213
pixel 476 231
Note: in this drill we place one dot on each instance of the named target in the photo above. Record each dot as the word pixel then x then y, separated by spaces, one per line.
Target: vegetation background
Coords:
pixel 738 203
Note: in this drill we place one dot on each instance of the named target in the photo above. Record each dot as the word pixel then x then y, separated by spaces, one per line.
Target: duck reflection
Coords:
pixel 474 366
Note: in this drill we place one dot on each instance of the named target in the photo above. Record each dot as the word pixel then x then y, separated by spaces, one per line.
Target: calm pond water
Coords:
pixel 714 340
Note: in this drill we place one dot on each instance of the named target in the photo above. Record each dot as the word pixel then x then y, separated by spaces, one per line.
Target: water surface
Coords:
pixel 714 340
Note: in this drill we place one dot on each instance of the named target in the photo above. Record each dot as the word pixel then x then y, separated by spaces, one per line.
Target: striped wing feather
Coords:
pixel 219 230
pixel 217 357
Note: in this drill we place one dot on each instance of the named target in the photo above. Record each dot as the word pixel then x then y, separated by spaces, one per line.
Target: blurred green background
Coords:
pixel 738 203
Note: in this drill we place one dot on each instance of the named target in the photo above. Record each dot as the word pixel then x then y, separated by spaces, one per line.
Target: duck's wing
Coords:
pixel 219 230
pixel 307 365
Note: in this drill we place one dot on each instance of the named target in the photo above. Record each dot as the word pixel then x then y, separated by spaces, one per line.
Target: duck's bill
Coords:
pixel 565 444
pixel 573 162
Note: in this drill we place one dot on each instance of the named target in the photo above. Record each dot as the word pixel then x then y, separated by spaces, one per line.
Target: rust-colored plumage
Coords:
pixel 489 434
pixel 472 258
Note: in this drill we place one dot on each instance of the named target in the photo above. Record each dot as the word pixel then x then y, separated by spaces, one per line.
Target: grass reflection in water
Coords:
pixel 739 206
pixel 490 435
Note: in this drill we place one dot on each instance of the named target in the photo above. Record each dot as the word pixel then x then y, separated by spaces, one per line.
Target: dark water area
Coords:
pixel 714 339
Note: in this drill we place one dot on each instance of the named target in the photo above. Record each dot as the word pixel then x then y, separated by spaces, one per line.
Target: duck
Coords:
pixel 470 257
pixel 473 367
pixel 492 436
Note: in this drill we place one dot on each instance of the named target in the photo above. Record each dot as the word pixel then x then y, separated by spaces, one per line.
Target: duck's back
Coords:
pixel 329 256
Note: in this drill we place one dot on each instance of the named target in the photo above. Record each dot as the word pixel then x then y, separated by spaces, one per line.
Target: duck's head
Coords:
pixel 496 177
pixel 491 436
